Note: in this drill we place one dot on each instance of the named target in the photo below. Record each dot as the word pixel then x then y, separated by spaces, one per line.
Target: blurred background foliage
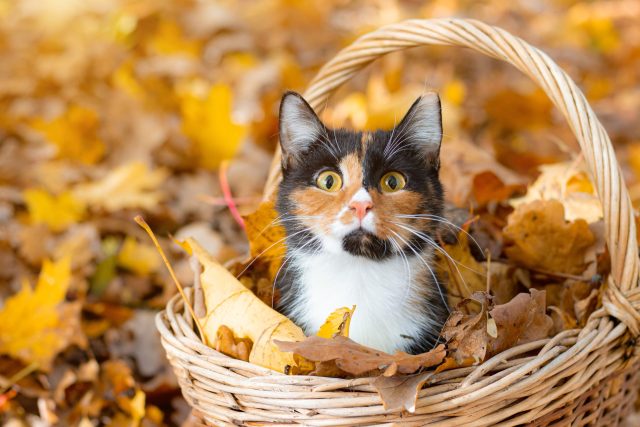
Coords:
pixel 112 108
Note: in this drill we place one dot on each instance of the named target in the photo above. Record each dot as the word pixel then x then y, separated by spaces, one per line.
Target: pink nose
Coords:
pixel 361 208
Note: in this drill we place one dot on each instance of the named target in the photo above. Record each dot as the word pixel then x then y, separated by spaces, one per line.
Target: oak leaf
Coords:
pixel 537 236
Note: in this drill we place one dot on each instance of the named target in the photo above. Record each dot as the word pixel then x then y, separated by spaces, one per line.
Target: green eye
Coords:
pixel 329 181
pixel 392 182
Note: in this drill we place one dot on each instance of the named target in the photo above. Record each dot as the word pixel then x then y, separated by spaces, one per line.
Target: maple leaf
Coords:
pixel 355 359
pixel 206 120
pixel 141 258
pixel 74 133
pixel 37 323
pixel 132 185
pixel 57 212
pixel 538 236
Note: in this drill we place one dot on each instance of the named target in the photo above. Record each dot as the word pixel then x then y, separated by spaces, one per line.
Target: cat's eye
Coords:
pixel 392 182
pixel 329 181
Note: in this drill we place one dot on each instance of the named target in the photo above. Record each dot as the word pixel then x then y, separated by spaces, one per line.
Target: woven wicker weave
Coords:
pixel 579 377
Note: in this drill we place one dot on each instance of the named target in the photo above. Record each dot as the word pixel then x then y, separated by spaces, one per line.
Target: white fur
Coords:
pixel 384 293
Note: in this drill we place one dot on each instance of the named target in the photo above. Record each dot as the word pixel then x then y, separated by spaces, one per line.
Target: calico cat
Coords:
pixel 361 211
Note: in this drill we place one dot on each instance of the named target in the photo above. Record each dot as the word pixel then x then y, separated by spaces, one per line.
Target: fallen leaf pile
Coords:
pixel 114 109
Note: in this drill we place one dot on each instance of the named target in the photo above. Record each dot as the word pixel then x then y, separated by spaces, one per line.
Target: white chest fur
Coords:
pixel 384 293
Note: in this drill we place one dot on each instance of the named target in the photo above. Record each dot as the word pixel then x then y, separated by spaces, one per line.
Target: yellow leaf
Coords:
pixel 454 92
pixel 634 158
pixel 228 302
pixel 140 258
pixel 266 237
pixel 337 323
pixel 33 326
pixel 74 133
pixel 170 40
pixel 132 185
pixel 57 212
pixel 206 120
pixel 568 183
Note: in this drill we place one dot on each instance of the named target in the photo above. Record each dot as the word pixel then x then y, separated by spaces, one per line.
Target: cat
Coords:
pixel 361 211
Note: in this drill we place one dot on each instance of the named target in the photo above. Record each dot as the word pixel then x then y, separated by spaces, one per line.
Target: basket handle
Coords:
pixel 619 300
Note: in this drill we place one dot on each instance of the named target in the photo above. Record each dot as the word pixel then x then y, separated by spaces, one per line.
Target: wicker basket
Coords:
pixel 579 377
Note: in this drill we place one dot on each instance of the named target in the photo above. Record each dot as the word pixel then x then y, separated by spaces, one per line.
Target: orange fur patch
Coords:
pixel 387 206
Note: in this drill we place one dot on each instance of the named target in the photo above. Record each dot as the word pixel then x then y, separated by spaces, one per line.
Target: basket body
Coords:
pixel 586 377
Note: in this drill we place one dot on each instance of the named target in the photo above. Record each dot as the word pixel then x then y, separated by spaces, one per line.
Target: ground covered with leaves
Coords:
pixel 110 109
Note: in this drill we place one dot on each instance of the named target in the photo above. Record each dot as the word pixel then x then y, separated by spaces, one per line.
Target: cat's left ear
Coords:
pixel 422 127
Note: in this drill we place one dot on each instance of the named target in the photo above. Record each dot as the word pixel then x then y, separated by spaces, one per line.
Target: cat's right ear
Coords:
pixel 299 128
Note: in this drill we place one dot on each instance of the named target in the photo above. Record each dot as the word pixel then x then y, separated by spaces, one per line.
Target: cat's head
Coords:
pixel 371 194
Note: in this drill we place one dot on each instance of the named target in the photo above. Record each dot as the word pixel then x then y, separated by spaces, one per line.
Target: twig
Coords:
pixel 142 223
pixel 226 192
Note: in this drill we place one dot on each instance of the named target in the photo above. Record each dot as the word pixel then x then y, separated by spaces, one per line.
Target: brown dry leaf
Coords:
pixel 538 237
pixel 461 161
pixel 227 343
pixel 488 187
pixel 356 360
pixel 266 237
pixel 399 393
pixel 521 320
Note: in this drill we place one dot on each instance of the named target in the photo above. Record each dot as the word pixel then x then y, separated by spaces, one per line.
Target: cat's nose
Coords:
pixel 361 208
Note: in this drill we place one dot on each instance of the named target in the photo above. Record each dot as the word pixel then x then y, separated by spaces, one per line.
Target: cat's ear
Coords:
pixel 422 126
pixel 299 127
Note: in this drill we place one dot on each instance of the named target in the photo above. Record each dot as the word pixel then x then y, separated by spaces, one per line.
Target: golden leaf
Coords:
pixel 57 212
pixel 207 122
pixel 140 258
pixel 132 185
pixel 569 184
pixel 36 322
pixel 337 323
pixel 538 236
pixel 74 133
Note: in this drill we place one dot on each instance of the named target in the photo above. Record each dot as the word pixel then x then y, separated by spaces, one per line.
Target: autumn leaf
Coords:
pixel 569 183
pixel 495 328
pixel 37 323
pixel 337 323
pixel 400 393
pixel 355 359
pixel 266 237
pixel 538 236
pixel 207 122
pixel 132 185
pixel 74 134
pixel 141 258
pixel 57 212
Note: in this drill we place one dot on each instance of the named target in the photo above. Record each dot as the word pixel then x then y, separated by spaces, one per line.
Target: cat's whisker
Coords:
pixel 443 220
pixel 268 249
pixel 410 246
pixel 407 268
pixel 433 244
